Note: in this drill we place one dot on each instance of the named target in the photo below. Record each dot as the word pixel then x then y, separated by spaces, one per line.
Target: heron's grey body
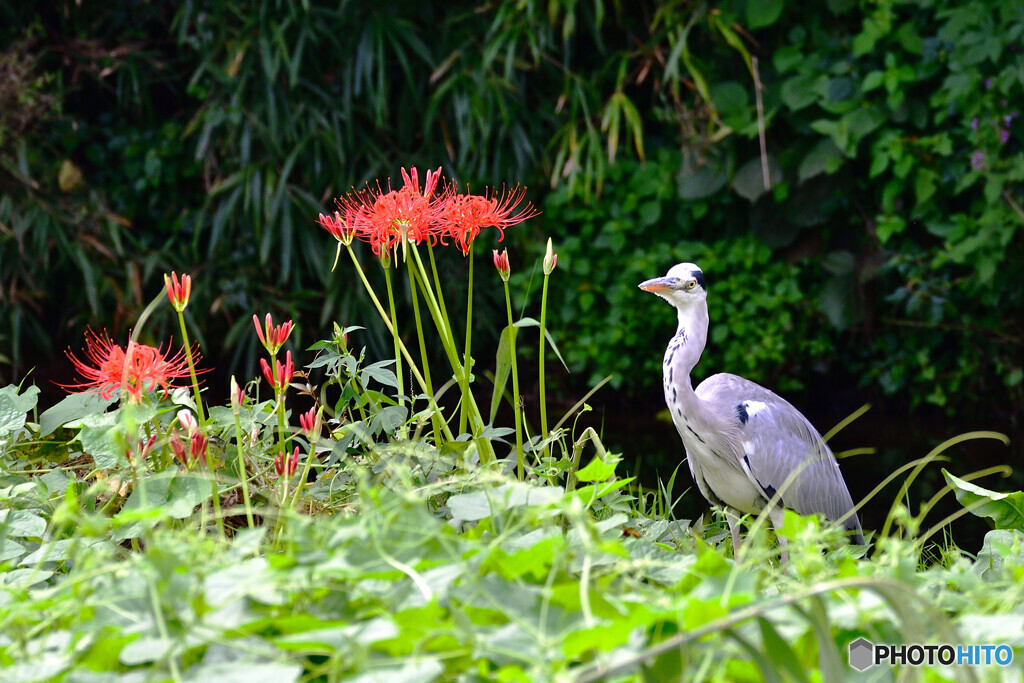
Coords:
pixel 745 445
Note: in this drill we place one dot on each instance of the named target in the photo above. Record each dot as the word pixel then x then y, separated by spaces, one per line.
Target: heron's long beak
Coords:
pixel 658 284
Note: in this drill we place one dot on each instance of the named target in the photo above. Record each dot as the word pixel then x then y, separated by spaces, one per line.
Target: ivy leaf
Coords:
pixel 1006 510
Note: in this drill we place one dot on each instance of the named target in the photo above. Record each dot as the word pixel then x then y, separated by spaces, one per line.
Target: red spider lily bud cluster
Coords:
pixel 286 465
pixel 340 338
pixel 178 291
pixel 385 220
pixel 272 337
pixel 143 452
pixel 196 450
pixel 501 263
pixel 550 258
pixel 311 423
pixel 280 376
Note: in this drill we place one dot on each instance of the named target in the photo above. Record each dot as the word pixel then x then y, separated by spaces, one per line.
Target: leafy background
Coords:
pixel 885 258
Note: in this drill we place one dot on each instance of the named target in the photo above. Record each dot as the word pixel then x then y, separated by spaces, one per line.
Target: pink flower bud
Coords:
pixel 550 259
pixel 188 422
pixel 285 465
pixel 501 263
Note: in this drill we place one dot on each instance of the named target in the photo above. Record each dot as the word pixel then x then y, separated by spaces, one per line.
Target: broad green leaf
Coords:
pixel 824 157
pixel 762 13
pixel 598 470
pixel 417 670
pixel 243 672
pixel 21 524
pixel 73 407
pixel 484 503
pixel 749 179
pixel 14 406
pixel 1006 510
pixel 503 366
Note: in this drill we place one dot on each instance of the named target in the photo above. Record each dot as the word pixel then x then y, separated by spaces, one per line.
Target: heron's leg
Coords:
pixel 734 526
pixel 777 515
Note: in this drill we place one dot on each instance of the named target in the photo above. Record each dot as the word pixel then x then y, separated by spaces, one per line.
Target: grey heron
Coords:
pixel 745 445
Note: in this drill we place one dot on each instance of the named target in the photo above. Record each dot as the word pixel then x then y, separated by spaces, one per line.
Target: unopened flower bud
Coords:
pixel 286 465
pixel 501 263
pixel 311 422
pixel 237 396
pixel 550 259
pixel 188 422
pixel 178 291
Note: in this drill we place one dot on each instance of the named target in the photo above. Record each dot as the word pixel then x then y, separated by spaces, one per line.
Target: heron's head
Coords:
pixel 682 286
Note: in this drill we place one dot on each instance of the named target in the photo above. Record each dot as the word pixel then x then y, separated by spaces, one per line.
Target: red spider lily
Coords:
pixel 311 424
pixel 463 216
pixel 197 446
pixel 108 369
pixel 286 465
pixel 275 336
pixel 341 228
pixel 501 263
pixel 283 375
pixel 177 446
pixel 178 292
pixel 384 219
pixel 143 452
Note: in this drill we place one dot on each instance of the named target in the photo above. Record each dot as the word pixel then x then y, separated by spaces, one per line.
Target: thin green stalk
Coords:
pixel 216 501
pixel 242 474
pixel 515 386
pixel 394 333
pixel 467 362
pixel 437 289
pixel 387 322
pixel 476 421
pixel 435 418
pixel 305 472
pixel 543 344
pixel 192 372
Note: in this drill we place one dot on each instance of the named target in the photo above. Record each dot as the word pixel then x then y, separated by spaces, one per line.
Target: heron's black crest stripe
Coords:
pixel 698 275
pixel 741 411
pixel 695 433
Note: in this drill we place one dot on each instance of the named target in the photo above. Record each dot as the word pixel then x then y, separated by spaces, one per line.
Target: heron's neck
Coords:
pixel 691 336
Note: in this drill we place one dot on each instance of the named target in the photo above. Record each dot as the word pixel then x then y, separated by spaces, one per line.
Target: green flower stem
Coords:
pixel 515 386
pixel 437 288
pixel 435 418
pixel 387 322
pixel 216 499
pixel 192 372
pixel 394 333
pixel 305 472
pixel 242 474
pixel 467 362
pixel 543 344
pixel 476 421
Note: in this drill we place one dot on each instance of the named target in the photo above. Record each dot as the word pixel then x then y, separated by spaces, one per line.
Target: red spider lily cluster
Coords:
pixel 311 423
pixel 272 336
pixel 387 219
pixel 109 369
pixel 280 376
pixel 196 450
pixel 285 464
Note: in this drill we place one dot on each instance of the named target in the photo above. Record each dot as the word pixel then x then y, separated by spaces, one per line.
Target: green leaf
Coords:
pixel 824 157
pixel 530 322
pixel 503 366
pixel 243 672
pixel 598 470
pixel 21 524
pixel 762 13
pixel 779 651
pixel 1006 510
pixel 73 407
pixel 749 179
pixel 13 407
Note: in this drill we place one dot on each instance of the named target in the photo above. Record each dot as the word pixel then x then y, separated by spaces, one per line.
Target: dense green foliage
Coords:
pixel 135 138
pixel 413 563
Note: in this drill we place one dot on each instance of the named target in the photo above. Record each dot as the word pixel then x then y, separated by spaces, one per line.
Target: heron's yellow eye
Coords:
pixel 691 284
